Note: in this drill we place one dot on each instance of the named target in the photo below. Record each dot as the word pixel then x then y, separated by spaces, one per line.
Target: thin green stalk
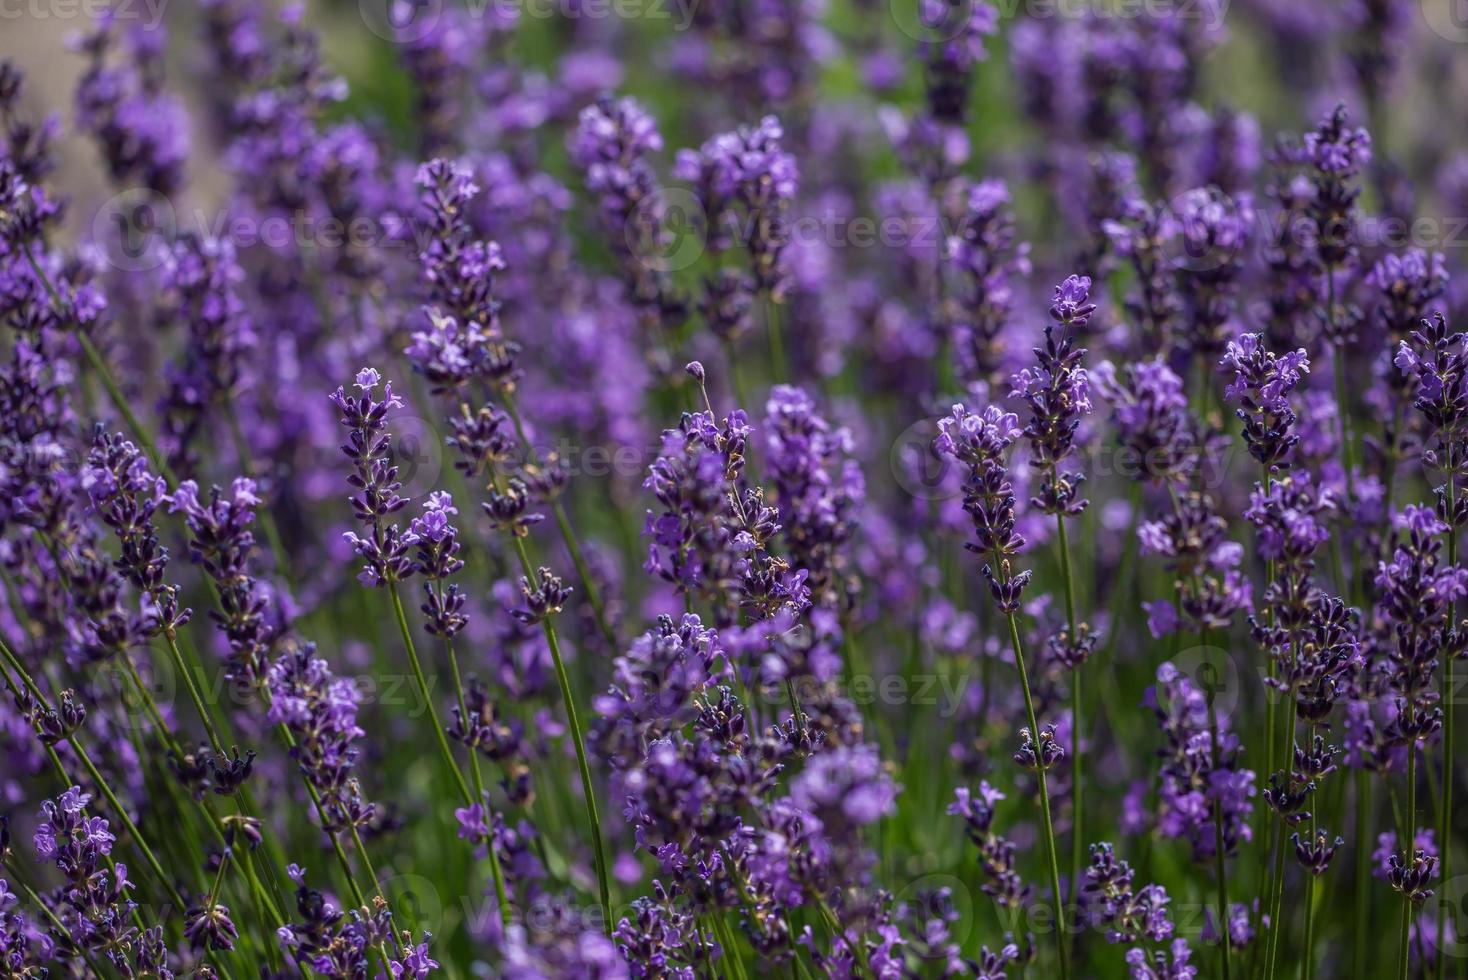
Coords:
pixel 588 789
pixel 1277 901
pixel 1220 862
pixel 171 744
pixel 194 695
pixel 1313 879
pixel 102 785
pixel 1076 835
pixel 1049 828
pixel 1445 820
pixel 1363 872
pixel 1312 893
pixel 1410 838
pixel 568 534
pixel 779 370
pixel 497 872
pixel 425 693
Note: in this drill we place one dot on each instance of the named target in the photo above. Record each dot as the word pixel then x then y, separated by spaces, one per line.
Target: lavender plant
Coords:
pixel 615 622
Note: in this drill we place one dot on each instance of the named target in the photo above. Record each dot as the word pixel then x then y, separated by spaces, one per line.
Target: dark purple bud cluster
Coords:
pixel 1112 903
pixel 375 499
pixel 1058 395
pixel 1262 385
pixel 1200 768
pixel 221 542
pixel 745 181
pixel 989 259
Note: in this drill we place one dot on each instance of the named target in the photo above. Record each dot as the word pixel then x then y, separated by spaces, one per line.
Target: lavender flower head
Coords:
pixel 745 181
pixel 1058 394
pixel 1151 416
pixel 384 550
pixel 1334 155
pixel 1262 385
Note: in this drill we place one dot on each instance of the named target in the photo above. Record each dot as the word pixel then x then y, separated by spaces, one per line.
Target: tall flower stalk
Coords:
pixel 979 443
pixel 1057 393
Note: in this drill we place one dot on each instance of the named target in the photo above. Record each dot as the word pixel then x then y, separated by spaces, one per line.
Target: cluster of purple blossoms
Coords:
pixel 1213 232
pixel 499 212
pixel 221 542
pixel 819 492
pixel 140 127
pixel 1201 771
pixel 436 557
pixel 201 277
pixel 1262 384
pixel 320 710
pixel 1150 412
pixel 1418 590
pixel 714 533
pixel 989 260
pixel 126 495
pixel 1333 155
pixel 385 549
pixel 1111 902
pixel 95 908
pixel 996 854
pixel 1209 586
pixel 1058 394
pixel 612 146
pixel 949 60
pixel 745 182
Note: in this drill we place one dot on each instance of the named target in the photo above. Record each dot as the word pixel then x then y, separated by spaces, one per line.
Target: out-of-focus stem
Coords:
pixel 568 535
pixel 1049 828
pixel 588 789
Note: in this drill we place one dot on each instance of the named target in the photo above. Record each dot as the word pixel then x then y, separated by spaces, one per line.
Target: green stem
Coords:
pixel 102 785
pixel 426 694
pixel 1220 862
pixel 778 368
pixel 474 771
pixel 1363 871
pixel 1410 838
pixel 1076 835
pixel 568 534
pixel 1445 821
pixel 588 790
pixel 1049 827
pixel 1311 895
